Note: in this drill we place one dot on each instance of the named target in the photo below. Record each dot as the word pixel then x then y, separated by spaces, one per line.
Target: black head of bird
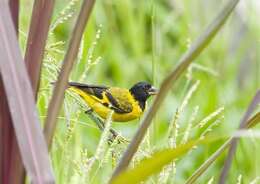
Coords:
pixel 142 91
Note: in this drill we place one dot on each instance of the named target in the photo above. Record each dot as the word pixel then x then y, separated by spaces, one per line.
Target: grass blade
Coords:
pixel 10 160
pixel 11 166
pixel 70 57
pixel 195 49
pixel 155 163
pixel 21 104
pixel 151 165
pixel 233 146
pixel 251 123
pixel 14 9
pixel 41 18
pixel 101 145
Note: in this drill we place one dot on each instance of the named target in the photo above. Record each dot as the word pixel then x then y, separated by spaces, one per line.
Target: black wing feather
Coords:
pixel 90 89
pixel 98 91
pixel 115 105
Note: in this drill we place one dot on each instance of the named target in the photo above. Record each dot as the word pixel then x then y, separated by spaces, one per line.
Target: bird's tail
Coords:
pixel 75 84
pixel 87 88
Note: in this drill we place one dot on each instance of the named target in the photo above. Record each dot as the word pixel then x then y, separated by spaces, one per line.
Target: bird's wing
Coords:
pixel 114 98
pixel 119 99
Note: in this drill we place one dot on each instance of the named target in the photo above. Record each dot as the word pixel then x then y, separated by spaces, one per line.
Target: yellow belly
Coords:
pixel 103 111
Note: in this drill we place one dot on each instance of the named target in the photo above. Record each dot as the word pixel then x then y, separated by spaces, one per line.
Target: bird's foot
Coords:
pixel 89 111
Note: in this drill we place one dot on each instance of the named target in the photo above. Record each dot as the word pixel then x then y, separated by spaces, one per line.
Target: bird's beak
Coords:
pixel 153 91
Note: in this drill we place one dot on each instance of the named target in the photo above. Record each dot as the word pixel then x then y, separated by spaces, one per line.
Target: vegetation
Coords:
pixel 125 42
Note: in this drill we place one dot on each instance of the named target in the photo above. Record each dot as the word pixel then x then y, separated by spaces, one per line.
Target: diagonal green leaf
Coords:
pixel 154 164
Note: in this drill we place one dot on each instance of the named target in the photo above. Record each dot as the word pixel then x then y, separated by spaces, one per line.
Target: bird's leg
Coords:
pixel 101 125
pixel 97 120
pixel 89 111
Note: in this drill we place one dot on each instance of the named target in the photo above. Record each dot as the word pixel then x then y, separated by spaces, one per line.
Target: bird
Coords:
pixel 127 104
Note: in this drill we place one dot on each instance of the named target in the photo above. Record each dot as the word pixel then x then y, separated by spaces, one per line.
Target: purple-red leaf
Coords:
pixel 21 103
pixel 14 8
pixel 41 18
pixel 11 166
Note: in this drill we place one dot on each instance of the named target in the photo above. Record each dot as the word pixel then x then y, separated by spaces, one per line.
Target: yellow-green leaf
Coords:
pixel 154 164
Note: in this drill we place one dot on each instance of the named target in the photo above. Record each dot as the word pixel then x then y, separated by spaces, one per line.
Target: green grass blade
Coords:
pixel 153 164
pixel 157 161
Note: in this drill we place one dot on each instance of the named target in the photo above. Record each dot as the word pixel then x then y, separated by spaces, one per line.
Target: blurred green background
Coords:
pixel 129 41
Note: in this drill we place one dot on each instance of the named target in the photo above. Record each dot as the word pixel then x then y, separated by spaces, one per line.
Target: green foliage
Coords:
pixel 129 41
pixel 152 165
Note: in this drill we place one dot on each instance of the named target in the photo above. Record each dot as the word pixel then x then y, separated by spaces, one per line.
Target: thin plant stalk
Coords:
pixel 196 48
pixel 70 58
pixel 102 142
pixel 233 146
pixel 250 124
